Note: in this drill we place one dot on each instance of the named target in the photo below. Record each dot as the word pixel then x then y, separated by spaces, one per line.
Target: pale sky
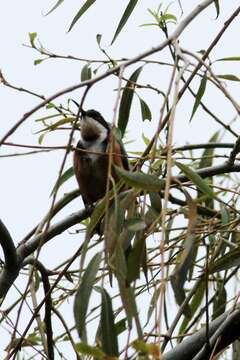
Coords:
pixel 26 182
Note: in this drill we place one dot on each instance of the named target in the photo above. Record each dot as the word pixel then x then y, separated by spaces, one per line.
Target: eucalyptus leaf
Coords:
pixel 83 294
pixel 196 179
pixel 65 176
pixel 128 11
pixel 146 112
pixel 83 9
pixel 55 6
pixel 199 94
pixel 230 77
pixel 126 101
pixel 139 180
pixel 108 330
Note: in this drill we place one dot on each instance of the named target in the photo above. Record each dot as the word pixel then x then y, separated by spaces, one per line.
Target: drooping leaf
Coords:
pixel 194 305
pixel 156 203
pixel 216 3
pixel 32 38
pixel 97 215
pixel 59 2
pixel 88 350
pixel 207 161
pixel 129 9
pixel 184 264
pixel 41 138
pixel 153 304
pixel 38 61
pixel 199 95
pixel 220 299
pixel 108 331
pixel 230 77
pixel 135 257
pixel 65 176
pixel 196 179
pixel 230 58
pixel 227 261
pixel 139 180
pixel 86 73
pixel 146 112
pixel 120 326
pixel 57 124
pixel 83 294
pixel 207 154
pixel 126 101
pixel 99 38
pixel 83 9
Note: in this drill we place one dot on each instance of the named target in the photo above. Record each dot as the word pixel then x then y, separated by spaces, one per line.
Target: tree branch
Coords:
pixel 180 28
pixel 48 302
pixel 229 332
pixel 30 246
pixel 11 266
pixel 213 170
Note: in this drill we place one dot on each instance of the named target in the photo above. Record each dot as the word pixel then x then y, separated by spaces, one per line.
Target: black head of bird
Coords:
pixel 91 157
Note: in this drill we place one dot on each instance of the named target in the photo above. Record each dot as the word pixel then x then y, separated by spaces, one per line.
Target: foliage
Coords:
pixel 167 253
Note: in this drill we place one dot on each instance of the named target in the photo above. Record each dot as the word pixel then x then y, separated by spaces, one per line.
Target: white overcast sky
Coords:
pixel 26 182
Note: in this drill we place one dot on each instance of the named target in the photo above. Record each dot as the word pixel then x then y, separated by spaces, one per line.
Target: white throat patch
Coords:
pixel 96 145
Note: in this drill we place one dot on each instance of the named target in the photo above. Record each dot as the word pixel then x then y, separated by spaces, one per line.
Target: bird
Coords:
pixel 91 156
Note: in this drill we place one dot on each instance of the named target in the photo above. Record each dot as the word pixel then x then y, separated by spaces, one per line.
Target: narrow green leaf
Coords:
pixel 55 7
pixel 156 202
pixel 230 58
pixel 135 257
pixel 86 73
pixel 38 61
pixel 83 9
pixel 166 17
pixel 97 215
pixel 99 38
pixel 140 180
pixel 184 264
pixel 41 137
pixel 220 299
pixel 216 3
pixel 57 124
pixel 206 161
pixel 146 112
pixel 194 305
pixel 196 179
pixel 128 302
pixel 65 176
pixel 108 330
pixel 153 304
pixel 32 38
pixel 129 9
pixel 207 154
pixel 120 326
pixel 82 297
pixel 92 351
pixel 227 261
pixel 229 77
pixel 126 101
pixel 199 94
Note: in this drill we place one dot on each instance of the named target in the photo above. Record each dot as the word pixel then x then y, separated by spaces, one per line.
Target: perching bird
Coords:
pixel 91 156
